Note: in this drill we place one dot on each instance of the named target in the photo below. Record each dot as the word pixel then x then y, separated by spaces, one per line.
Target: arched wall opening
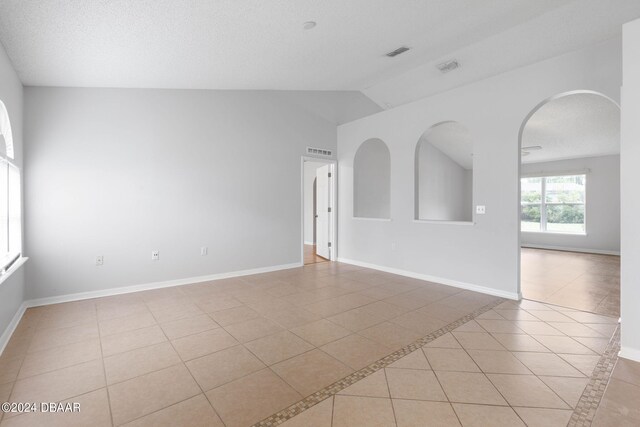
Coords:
pixel 444 173
pixel 569 195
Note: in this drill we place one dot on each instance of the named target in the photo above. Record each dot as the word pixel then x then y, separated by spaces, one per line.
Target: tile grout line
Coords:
pixel 440 384
pixel 339 385
pixel 333 405
pixel 484 374
pixel 585 410
pixel 393 409
pixel 183 363
pixel 104 370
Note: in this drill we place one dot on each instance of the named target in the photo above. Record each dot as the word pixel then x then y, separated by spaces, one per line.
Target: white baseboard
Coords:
pixel 568 249
pixel 11 327
pixel 309 243
pixel 448 282
pixel 630 353
pixel 155 285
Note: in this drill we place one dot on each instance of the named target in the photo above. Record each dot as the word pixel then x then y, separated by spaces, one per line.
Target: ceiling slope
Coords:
pixel 560 30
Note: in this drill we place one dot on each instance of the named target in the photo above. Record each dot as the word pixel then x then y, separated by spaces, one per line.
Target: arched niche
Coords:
pixel 6 137
pixel 444 173
pixel 372 180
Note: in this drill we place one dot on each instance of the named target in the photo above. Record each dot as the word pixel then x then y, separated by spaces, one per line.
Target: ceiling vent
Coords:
pixel 319 152
pixel 397 52
pixel 447 66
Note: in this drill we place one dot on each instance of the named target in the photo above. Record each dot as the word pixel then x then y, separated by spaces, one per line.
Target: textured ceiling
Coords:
pixel 454 140
pixel 579 125
pixel 248 44
pixel 568 27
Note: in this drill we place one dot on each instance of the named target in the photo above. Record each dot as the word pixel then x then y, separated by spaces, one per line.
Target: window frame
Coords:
pixel 12 257
pixel 543 202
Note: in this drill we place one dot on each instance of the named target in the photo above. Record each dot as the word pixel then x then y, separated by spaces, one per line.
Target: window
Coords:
pixel 553 204
pixel 10 225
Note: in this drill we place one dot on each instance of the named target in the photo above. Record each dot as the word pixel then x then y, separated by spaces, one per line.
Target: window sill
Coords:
pixel 555 232
pixel 362 218
pixel 16 265
pixel 443 222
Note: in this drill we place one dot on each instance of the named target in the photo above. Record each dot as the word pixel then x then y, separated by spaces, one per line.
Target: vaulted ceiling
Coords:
pixel 257 44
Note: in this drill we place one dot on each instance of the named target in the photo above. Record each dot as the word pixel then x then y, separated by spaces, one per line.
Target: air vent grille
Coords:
pixel 397 52
pixel 319 152
pixel 445 67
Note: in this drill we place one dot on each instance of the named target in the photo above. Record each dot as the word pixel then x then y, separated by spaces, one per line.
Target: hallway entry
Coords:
pixel 317 211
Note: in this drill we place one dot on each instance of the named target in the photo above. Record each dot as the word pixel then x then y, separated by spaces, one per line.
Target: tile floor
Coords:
pixel 233 352
pixel 507 367
pixel 588 282
pixel 209 348
pixel 310 256
pixel 620 405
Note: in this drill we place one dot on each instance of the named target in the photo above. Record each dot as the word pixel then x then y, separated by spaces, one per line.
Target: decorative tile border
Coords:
pixel 349 380
pixel 586 408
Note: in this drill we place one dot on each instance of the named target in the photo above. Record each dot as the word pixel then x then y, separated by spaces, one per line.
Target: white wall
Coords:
pixel 486 254
pixel 602 205
pixel 371 180
pixel 630 196
pixel 445 187
pixel 309 219
pixel 11 94
pixel 122 172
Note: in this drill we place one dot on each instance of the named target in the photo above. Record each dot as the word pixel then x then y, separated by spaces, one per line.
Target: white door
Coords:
pixel 323 215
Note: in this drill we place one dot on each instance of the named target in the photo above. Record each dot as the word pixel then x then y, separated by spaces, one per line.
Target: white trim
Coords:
pixel 629 353
pixel 468 286
pixel 364 218
pixel 443 222
pixel 547 174
pixel 569 249
pixel 13 268
pixel 155 285
pixel 11 327
pixel 310 243
pixel 555 233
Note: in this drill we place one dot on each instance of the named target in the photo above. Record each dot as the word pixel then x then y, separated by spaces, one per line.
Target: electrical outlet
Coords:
pixel 155 255
pixel 100 260
pixel 393 246
pixel 204 250
pixel 481 209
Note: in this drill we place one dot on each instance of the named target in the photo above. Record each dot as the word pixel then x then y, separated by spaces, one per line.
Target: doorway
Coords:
pixel 570 203
pixel 318 211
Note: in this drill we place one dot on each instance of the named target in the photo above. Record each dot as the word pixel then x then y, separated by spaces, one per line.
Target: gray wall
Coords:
pixel 372 174
pixel 444 187
pixel 122 172
pixel 602 205
pixel 11 93
pixel 485 255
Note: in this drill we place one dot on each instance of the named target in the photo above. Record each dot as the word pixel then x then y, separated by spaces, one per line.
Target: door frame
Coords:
pixel 333 200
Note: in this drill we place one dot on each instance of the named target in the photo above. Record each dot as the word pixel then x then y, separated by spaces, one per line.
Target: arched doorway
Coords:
pixel 570 202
